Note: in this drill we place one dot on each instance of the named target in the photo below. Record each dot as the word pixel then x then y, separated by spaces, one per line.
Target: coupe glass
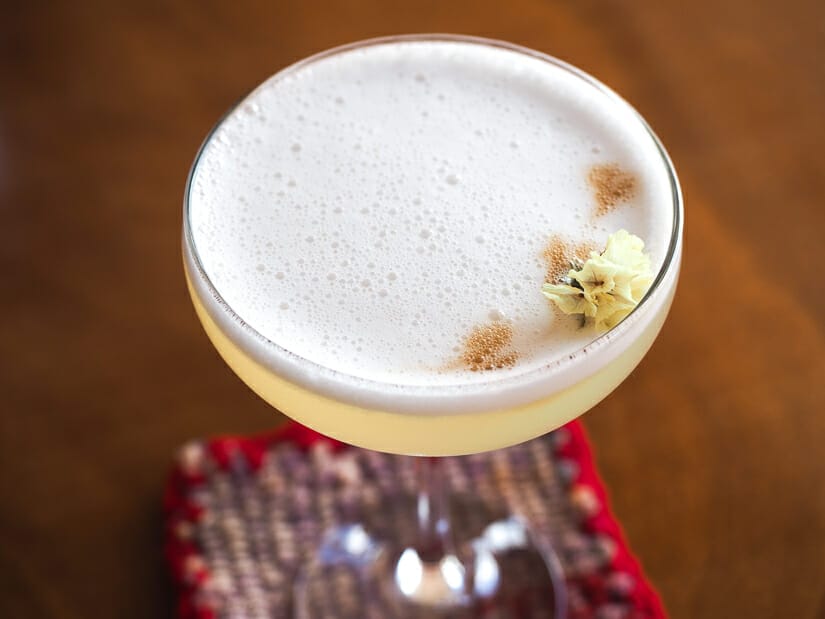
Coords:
pixel 435 570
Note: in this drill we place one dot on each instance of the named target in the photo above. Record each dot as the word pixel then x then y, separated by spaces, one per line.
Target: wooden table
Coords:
pixel 713 448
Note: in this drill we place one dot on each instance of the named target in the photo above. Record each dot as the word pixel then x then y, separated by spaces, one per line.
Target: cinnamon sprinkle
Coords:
pixel 611 186
pixel 557 255
pixel 488 347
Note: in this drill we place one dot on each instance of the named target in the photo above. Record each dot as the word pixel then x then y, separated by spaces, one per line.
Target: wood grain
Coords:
pixel 713 448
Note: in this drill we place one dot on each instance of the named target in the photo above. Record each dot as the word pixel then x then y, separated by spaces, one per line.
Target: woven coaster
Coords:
pixel 244 513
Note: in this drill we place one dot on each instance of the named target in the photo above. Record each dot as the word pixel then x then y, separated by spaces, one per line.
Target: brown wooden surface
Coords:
pixel 714 449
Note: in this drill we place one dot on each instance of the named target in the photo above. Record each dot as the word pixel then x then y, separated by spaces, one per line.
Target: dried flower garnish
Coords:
pixel 608 285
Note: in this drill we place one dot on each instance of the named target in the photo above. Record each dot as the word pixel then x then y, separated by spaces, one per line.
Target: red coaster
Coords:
pixel 242 513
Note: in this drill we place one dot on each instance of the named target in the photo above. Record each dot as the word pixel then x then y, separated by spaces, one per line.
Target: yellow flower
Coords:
pixel 607 287
pixel 627 250
pixel 597 275
pixel 569 299
pixel 611 311
pixel 639 285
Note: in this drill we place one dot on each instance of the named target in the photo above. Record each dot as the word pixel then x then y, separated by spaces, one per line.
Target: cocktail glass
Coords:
pixel 440 572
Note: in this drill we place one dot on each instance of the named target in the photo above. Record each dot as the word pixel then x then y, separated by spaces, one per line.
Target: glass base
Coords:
pixel 497 573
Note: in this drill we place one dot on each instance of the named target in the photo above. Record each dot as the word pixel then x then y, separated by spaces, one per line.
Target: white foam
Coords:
pixel 366 210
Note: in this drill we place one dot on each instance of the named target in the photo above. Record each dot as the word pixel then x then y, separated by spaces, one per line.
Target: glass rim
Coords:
pixel 458 389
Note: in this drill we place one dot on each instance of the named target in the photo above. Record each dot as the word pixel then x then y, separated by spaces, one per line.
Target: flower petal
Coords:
pixel 569 299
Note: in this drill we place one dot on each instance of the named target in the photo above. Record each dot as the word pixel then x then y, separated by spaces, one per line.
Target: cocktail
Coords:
pixel 431 245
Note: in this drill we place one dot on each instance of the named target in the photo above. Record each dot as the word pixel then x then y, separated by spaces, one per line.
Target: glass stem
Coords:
pixel 434 539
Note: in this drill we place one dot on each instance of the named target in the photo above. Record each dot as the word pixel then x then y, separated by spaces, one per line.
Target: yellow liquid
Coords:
pixel 429 435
